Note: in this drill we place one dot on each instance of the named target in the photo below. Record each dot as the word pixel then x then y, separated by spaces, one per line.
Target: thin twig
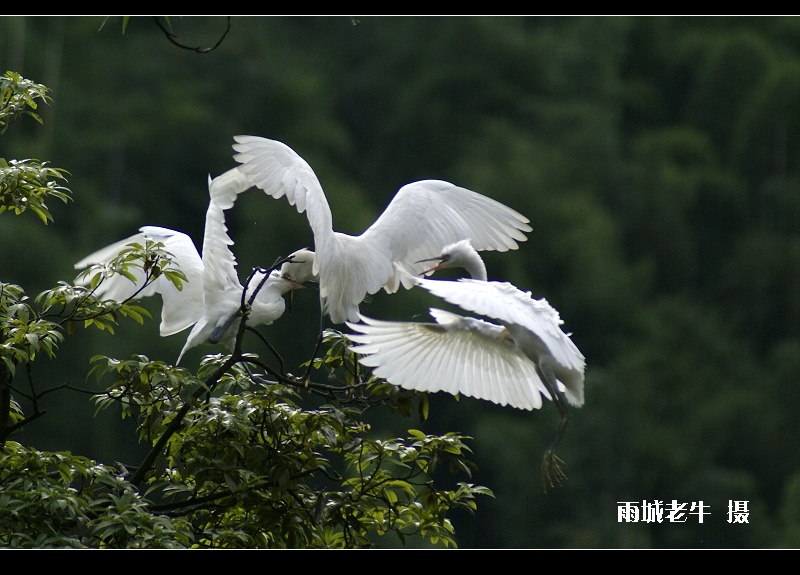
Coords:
pixel 174 39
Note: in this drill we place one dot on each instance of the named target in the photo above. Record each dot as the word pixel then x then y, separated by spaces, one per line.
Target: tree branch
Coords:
pixel 174 39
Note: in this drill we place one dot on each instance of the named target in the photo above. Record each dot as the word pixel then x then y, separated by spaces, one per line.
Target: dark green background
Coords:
pixel 658 159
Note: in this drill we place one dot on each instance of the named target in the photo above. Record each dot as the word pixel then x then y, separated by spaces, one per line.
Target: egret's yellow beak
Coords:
pixel 439 266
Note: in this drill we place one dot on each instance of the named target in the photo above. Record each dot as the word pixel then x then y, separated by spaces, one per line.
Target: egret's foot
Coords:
pixel 552 470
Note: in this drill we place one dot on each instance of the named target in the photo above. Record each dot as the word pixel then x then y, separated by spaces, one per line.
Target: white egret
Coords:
pixel 525 357
pixel 211 299
pixel 420 220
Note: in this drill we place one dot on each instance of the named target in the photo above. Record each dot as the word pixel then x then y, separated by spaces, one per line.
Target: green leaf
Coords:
pixel 43 214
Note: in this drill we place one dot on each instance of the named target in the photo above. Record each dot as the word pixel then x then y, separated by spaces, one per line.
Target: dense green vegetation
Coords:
pixel 657 161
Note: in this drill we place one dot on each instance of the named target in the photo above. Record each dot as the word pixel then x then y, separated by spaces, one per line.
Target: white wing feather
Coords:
pixel 116 287
pixel 180 309
pixel 427 215
pixel 504 302
pixel 279 171
pixel 220 263
pixel 457 355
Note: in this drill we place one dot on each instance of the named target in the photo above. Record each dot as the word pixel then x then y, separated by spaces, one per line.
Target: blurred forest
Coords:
pixel 658 159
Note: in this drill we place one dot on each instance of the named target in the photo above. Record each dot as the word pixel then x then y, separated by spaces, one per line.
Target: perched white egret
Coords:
pixel 421 219
pixel 211 298
pixel 517 362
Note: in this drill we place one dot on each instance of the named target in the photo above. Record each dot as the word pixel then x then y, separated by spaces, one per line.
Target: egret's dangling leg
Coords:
pixel 552 465
pixel 220 331
pixel 307 375
pixel 241 312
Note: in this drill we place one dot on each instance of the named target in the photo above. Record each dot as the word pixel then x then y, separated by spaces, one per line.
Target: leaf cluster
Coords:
pixel 18 97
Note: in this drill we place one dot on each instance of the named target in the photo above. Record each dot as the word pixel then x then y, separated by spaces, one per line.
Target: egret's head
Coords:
pixel 285 283
pixel 460 254
pixel 452 256
pixel 298 270
pixel 299 267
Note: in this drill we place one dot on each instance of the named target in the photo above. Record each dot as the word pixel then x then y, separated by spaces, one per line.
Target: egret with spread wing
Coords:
pixel 524 358
pixel 211 298
pixel 421 219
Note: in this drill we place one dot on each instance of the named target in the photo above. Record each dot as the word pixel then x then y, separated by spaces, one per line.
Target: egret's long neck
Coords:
pixel 473 263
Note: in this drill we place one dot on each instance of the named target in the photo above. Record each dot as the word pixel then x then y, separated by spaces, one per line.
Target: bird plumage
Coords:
pixel 211 297
pixel 455 354
pixel 422 217
pixel 524 357
pixel 180 308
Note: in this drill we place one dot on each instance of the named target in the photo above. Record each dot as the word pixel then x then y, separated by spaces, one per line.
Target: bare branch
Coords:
pixel 174 39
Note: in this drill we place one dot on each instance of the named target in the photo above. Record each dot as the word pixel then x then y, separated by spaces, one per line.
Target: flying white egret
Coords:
pixel 421 219
pixel 212 297
pixel 524 358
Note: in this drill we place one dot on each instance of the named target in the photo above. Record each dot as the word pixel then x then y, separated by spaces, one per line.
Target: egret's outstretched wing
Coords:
pixel 180 308
pixel 427 215
pixel 117 287
pixel 504 302
pixel 457 355
pixel 279 171
pixel 219 261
